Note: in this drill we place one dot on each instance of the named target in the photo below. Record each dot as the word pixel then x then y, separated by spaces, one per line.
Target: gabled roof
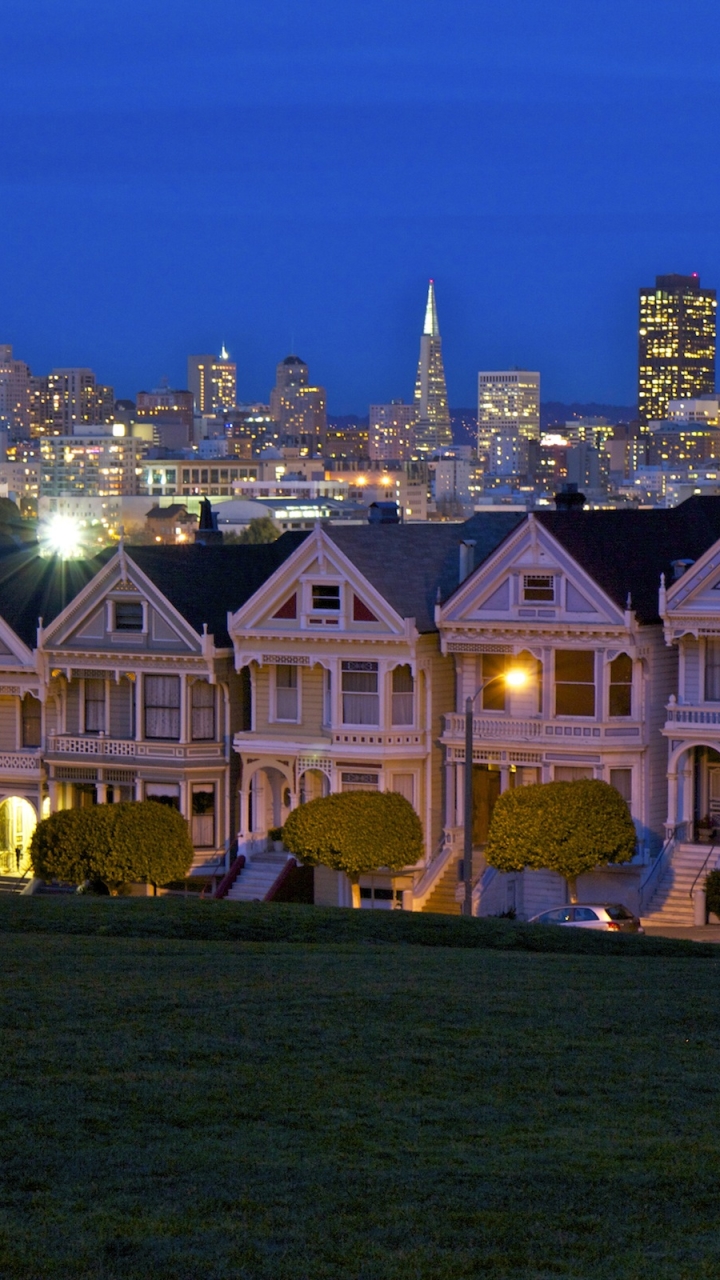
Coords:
pixel 409 563
pixel 626 551
pixel 202 583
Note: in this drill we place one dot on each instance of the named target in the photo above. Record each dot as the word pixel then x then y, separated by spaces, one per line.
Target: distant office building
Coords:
pixel 170 413
pixel 212 381
pixel 676 344
pixel 68 397
pixel 701 409
pixel 508 453
pixel 97 465
pixel 299 409
pixel 14 393
pixel 508 400
pixel 433 430
pixel 391 430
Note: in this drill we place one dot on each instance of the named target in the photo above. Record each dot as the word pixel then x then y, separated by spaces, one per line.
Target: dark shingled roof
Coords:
pixel 626 551
pixel 203 583
pixel 408 563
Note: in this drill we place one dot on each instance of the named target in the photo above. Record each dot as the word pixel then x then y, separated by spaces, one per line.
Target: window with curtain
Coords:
pixel 620 703
pixel 31 721
pixel 327 697
pixel 286 692
pixel 202 711
pixel 574 682
pixel 402 695
pixel 162 707
pixel 360 697
pixel 94 705
pixel 404 785
pixel 712 670
pixel 203 815
pixel 621 780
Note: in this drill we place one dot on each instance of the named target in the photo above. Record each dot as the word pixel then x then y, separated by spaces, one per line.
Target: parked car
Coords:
pixel 612 916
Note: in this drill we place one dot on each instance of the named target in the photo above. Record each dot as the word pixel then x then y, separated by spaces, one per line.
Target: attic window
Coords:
pixel 326 595
pixel 128 615
pixel 539 586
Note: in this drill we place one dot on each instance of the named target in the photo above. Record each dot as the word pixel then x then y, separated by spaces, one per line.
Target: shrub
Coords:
pixel 114 843
pixel 356 832
pixel 568 827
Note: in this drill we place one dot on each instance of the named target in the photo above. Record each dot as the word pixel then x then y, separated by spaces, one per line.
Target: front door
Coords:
pixel 714 793
pixel 486 789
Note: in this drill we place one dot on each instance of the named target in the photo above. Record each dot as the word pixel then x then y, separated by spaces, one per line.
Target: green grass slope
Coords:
pixel 182 1109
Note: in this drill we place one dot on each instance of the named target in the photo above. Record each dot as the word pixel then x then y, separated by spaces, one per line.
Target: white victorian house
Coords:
pixel 557 599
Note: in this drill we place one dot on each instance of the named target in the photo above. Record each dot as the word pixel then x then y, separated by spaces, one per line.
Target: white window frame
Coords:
pixel 277 719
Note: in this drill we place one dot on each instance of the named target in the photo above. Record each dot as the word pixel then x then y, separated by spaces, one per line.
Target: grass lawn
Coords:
pixel 179 1107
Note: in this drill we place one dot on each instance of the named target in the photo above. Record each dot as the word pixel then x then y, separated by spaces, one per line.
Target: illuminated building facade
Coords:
pixel 14 392
pixel 99 465
pixel 391 431
pixel 299 410
pixel 508 401
pixel 170 413
pixel 676 344
pixel 65 398
pixel 433 430
pixel 212 380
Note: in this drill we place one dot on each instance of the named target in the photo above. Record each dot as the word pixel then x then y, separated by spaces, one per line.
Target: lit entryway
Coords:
pixel 17 823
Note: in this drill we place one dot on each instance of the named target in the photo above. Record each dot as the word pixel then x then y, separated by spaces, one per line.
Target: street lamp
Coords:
pixel 514 678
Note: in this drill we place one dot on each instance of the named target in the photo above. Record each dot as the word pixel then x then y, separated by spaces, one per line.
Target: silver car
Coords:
pixel 611 916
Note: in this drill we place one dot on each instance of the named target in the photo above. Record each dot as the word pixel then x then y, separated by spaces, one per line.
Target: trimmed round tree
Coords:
pixel 136 841
pixel 356 832
pixel 567 827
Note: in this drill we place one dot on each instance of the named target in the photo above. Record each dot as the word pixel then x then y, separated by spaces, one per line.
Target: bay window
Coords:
pixel 360 697
pixel 162 707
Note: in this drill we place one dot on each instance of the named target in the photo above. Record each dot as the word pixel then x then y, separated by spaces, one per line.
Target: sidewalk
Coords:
pixel 696 933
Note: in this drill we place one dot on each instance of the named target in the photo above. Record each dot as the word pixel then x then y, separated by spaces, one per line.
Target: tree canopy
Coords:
pixel 136 841
pixel 356 832
pixel 568 827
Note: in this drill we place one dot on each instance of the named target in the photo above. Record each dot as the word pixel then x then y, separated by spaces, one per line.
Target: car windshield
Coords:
pixel 617 911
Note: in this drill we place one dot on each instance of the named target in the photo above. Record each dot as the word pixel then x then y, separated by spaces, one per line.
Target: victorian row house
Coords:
pixel 237 682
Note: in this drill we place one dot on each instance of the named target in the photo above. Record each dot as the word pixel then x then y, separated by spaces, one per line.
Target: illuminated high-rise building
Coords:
pixel 508 401
pixel 213 382
pixel 299 410
pixel 432 430
pixel 391 431
pixel 677 344
pixel 14 392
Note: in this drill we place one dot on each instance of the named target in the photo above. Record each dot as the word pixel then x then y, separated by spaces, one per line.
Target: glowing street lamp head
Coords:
pixel 62 536
pixel 516 678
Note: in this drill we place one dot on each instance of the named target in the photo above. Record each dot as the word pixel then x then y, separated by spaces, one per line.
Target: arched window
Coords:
pixel 621 686
pixel 403 688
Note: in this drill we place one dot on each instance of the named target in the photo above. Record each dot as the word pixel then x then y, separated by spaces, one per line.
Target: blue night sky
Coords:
pixel 176 175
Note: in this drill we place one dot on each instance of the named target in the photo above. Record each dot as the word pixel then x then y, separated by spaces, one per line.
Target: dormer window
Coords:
pixel 128 615
pixel 326 596
pixel 539 587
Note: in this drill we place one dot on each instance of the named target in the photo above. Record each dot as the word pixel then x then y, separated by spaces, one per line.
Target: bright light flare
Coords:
pixel 62 536
pixel 516 678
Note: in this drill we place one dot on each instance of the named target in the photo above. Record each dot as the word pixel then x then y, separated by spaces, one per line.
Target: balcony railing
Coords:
pixel 677 714
pixel 126 749
pixel 19 761
pixel 504 728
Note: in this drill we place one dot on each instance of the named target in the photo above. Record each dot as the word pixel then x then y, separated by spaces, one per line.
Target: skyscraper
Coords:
pixel 432 431
pixel 14 392
pixel 299 410
pixel 677 344
pixel 213 382
pixel 508 400
pixel 391 431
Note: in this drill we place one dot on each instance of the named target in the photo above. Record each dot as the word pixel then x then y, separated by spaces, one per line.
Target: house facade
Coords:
pixel 598 678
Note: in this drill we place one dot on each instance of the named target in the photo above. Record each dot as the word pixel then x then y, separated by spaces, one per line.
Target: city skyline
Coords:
pixel 283 186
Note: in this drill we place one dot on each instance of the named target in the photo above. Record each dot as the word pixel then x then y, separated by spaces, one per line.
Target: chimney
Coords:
pixel 568 499
pixel 207 533
pixel 467 559
pixel 679 567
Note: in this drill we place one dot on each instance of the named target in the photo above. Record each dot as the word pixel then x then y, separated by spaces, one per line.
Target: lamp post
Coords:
pixel 514 678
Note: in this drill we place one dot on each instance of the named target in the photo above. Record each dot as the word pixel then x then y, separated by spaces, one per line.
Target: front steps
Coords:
pixel 258 877
pixel 671 903
pixel 13 884
pixel 442 899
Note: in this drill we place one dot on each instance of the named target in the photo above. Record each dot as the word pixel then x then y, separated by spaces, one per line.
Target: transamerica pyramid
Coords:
pixel 432 429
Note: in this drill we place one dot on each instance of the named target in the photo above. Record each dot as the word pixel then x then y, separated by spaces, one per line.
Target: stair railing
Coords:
pixel 648 885
pixel 700 872
pixel 230 877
